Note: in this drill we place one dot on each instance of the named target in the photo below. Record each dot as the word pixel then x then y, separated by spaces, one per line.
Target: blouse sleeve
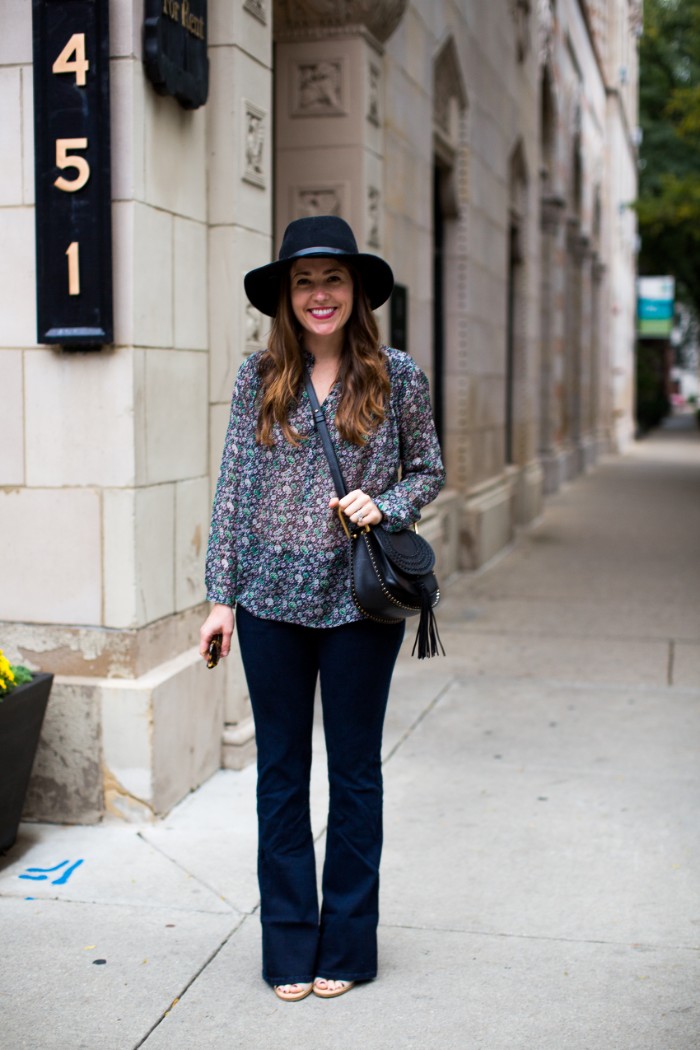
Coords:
pixel 221 566
pixel 422 471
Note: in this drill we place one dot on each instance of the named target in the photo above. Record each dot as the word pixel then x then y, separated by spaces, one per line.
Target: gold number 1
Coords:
pixel 73 268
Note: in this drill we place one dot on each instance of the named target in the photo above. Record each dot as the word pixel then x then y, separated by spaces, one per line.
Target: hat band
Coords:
pixel 320 251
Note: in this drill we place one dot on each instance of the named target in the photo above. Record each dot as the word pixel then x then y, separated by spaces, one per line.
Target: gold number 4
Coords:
pixel 65 160
pixel 78 65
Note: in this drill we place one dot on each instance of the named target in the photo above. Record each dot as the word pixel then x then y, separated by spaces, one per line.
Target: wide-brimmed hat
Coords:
pixel 318 236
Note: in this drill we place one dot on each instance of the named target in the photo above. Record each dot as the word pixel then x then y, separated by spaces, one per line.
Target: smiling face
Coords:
pixel 322 296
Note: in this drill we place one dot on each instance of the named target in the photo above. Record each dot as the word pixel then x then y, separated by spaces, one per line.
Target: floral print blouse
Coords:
pixel 274 545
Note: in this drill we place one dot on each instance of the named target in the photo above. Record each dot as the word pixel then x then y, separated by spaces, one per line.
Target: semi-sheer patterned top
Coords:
pixel 275 547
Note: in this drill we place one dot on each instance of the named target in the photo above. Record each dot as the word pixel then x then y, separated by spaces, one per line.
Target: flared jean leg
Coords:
pixel 356 665
pixel 281 666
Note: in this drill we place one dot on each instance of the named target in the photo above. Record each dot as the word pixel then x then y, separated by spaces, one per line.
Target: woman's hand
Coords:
pixel 359 507
pixel 219 621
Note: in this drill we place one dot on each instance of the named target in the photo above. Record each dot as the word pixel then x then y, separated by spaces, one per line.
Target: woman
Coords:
pixel 278 554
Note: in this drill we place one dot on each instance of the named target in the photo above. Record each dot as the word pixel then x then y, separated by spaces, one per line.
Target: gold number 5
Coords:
pixel 65 160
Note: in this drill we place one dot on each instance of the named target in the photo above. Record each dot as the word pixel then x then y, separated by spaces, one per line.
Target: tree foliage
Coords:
pixel 668 208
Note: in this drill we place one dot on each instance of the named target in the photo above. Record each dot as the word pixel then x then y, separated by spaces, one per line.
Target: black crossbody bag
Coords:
pixel 391 573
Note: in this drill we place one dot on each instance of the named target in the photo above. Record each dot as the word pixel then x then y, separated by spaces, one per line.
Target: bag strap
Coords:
pixel 328 447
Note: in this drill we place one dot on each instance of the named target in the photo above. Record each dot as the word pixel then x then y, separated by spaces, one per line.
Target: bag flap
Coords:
pixel 408 551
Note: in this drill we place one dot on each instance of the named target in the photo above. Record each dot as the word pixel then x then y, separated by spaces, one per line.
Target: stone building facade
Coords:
pixel 486 150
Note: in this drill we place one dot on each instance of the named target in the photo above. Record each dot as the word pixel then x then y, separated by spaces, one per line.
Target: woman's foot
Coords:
pixel 328 989
pixel 292 993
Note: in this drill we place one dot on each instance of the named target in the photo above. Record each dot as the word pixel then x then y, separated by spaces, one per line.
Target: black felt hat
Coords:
pixel 318 236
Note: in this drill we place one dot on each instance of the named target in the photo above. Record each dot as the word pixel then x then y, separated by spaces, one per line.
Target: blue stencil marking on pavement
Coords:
pixel 42 874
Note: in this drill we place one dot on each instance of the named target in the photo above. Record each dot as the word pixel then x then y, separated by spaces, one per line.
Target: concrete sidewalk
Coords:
pixel 541 875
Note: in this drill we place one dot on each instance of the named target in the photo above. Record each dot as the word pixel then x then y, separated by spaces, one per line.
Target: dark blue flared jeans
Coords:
pixel 282 663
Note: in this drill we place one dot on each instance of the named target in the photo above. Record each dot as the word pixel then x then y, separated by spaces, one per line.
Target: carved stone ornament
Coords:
pixel 449 95
pixel 636 17
pixel 520 11
pixel 380 17
pixel 373 196
pixel 319 88
pixel 253 329
pixel 318 200
pixel 374 76
pixel 257 9
pixel 254 128
pixel 545 30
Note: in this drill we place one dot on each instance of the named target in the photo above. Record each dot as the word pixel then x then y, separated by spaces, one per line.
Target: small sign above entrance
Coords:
pixel 175 49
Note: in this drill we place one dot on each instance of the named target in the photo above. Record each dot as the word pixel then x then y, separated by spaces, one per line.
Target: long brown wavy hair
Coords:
pixel 363 372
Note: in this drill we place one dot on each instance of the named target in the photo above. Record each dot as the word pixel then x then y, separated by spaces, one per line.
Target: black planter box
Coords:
pixel 21 717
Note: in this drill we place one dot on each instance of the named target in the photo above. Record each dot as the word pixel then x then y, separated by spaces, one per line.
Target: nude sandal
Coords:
pixel 322 987
pixel 292 993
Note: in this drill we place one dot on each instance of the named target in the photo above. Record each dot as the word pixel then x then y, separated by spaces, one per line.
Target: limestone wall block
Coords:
pixel 127 128
pixel 239 130
pixel 174 154
pixel 151 272
pixel 11 418
pixel 245 23
pixel 161 736
pixel 123 271
pixel 218 422
pixel 192 514
pixel 236 327
pixel 79 418
pixel 16 36
pixel 11 136
pixel 27 135
pixel 190 284
pixel 17 278
pixel 54 574
pixel 139 555
pixel 125 27
pixel 119 557
pixel 66 784
pixel 175 405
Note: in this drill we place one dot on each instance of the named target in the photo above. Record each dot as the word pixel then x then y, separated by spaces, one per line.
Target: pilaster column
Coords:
pixel 552 271
pixel 329 140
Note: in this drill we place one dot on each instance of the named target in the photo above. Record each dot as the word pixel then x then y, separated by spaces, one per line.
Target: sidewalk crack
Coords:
pixel 414 725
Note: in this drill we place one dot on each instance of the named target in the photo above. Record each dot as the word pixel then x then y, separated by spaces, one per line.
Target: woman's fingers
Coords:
pixel 359 507
pixel 219 621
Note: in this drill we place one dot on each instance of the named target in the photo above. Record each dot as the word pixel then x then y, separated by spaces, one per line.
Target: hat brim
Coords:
pixel 262 285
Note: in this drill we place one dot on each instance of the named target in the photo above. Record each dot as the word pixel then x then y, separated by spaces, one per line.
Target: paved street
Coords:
pixel 541 875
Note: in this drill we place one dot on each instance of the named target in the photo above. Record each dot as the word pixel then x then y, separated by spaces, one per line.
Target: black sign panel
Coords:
pixel 72 172
pixel 175 49
pixel 398 323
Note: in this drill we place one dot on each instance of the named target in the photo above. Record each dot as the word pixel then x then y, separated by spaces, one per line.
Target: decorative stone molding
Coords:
pixel 324 199
pixel 578 244
pixel 257 9
pixel 520 11
pixel 636 17
pixel 545 31
pixel 253 329
pixel 379 17
pixel 374 74
pixel 449 98
pixel 373 198
pixel 254 124
pixel 551 213
pixel 319 89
